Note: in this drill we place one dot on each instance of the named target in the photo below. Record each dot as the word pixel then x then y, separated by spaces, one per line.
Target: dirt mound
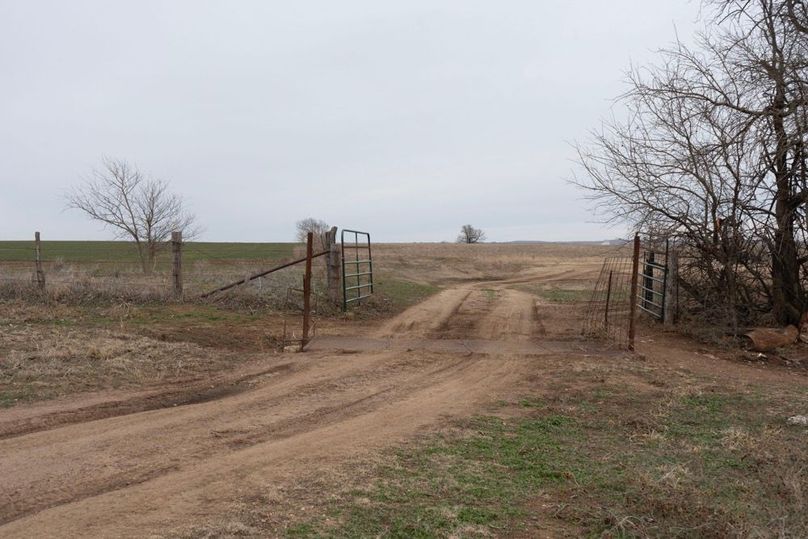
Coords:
pixel 426 317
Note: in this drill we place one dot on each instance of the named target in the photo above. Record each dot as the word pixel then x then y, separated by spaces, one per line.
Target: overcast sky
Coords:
pixel 407 119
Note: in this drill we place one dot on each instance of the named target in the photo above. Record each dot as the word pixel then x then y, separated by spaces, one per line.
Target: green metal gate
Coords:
pixel 653 283
pixel 357 267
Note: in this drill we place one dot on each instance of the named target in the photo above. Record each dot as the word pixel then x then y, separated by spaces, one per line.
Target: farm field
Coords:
pixel 113 267
pixel 461 401
pixel 125 252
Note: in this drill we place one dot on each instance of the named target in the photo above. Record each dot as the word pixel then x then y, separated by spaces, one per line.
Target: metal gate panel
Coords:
pixel 357 270
pixel 653 282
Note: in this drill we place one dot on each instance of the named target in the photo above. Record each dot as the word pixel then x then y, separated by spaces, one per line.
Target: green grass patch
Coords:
pixel 187 314
pixel 490 294
pixel 12 397
pixel 399 294
pixel 557 295
pixel 468 484
pixel 710 463
pixel 561 295
pixel 125 252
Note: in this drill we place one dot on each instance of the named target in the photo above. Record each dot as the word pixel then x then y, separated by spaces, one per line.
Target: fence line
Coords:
pixel 609 310
pixel 647 283
pixel 182 269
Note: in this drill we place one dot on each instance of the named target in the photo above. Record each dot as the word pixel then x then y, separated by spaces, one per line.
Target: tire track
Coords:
pixel 155 469
pixel 72 475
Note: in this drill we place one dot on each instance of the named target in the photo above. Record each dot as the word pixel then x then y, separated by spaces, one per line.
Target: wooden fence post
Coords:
pixel 307 291
pixel 40 273
pixel 176 271
pixel 671 288
pixel 333 267
pixel 632 317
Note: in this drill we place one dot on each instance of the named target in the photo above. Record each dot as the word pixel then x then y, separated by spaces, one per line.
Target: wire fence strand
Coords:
pixel 116 267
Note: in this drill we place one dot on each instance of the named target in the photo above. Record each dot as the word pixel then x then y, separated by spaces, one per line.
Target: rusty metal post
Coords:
pixel 307 292
pixel 176 271
pixel 632 317
pixel 40 273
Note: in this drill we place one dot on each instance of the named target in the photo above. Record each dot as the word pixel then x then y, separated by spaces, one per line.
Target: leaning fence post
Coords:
pixel 333 266
pixel 176 271
pixel 635 266
pixel 307 291
pixel 40 273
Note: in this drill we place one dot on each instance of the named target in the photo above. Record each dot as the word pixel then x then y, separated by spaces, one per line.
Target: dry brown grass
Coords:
pixel 446 263
pixel 40 361
pixel 86 281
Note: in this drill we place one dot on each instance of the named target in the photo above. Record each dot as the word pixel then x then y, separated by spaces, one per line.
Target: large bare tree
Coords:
pixel 711 150
pixel 469 234
pixel 135 206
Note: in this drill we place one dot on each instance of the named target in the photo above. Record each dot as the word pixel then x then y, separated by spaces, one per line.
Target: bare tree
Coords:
pixel 135 206
pixel 712 152
pixel 317 227
pixel 469 234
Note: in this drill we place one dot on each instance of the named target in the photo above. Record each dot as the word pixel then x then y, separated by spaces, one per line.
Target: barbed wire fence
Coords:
pixel 93 268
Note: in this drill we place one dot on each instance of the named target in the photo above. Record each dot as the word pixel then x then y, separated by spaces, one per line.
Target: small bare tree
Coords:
pixel 317 227
pixel 469 234
pixel 137 207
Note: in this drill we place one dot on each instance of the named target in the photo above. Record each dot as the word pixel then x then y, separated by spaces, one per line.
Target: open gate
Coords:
pixel 652 294
pixel 357 267
pixel 645 281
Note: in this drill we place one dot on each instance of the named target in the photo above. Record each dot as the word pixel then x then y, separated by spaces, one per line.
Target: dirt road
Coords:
pixel 108 467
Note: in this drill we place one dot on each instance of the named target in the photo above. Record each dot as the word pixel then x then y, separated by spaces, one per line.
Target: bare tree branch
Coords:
pixel 713 151
pixel 136 207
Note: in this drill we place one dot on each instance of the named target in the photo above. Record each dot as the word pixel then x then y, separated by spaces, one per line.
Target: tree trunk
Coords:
pixel 151 258
pixel 787 294
pixel 141 254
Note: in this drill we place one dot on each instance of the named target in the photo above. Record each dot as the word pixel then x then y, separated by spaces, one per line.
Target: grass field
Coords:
pixel 125 252
pixel 113 267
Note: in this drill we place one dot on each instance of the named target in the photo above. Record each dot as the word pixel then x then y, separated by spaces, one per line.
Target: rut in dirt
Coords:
pixel 181 393
pixel 84 460
pixel 485 311
pixel 150 469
